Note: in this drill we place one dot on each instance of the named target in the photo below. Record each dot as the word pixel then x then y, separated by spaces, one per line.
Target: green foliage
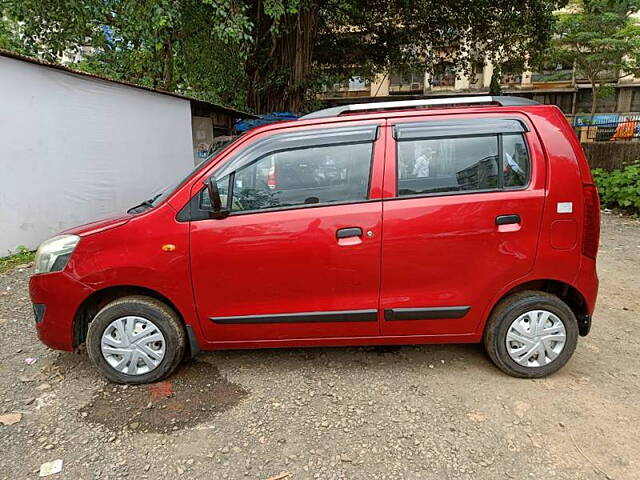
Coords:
pixel 495 86
pixel 190 46
pixel 606 91
pixel 23 256
pixel 274 54
pixel 601 39
pixel 619 188
pixel 9 36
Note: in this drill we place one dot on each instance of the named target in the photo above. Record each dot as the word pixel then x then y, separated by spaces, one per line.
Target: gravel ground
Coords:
pixel 414 412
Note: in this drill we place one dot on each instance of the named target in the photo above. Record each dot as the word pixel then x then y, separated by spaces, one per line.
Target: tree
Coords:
pixel 276 54
pixel 320 43
pixel 189 46
pixel 601 40
pixel 495 87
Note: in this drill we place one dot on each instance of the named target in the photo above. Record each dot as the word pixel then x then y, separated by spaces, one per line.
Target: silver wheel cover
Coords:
pixel 133 345
pixel 536 338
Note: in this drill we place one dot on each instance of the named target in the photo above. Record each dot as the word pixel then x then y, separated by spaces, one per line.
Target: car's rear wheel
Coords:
pixel 136 340
pixel 531 334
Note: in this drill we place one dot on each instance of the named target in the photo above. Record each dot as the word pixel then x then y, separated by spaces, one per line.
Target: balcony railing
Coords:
pixel 511 78
pixel 609 75
pixel 443 80
pixel 353 88
pixel 565 75
pixel 413 87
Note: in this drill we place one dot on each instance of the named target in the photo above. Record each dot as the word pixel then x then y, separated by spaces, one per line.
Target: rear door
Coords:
pixel 461 221
pixel 299 255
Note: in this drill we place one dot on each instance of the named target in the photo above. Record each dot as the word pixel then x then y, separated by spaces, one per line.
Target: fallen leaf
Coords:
pixel 10 418
pixel 50 468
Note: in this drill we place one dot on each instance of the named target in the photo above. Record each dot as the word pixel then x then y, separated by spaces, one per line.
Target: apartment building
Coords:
pixel 559 85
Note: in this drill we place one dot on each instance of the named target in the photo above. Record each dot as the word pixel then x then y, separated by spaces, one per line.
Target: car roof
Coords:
pixel 503 101
pixel 384 110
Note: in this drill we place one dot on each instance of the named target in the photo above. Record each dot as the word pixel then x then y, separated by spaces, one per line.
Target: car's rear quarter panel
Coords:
pixel 559 249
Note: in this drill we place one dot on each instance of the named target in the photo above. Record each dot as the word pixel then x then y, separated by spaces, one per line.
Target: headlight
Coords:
pixel 53 254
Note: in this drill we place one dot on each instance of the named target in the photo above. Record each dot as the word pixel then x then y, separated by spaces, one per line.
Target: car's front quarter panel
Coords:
pixel 151 251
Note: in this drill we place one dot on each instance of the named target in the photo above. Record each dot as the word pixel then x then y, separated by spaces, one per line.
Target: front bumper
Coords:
pixel 58 297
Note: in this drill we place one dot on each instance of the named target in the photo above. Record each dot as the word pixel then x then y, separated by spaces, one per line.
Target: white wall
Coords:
pixel 75 149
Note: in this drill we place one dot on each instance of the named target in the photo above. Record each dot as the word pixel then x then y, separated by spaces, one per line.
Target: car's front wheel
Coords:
pixel 136 340
pixel 531 334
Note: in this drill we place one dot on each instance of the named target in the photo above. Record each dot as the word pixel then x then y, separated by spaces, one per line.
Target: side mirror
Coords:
pixel 214 196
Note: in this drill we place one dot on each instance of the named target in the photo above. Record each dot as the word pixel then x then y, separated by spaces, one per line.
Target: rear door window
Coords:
pixel 448 165
pixel 482 155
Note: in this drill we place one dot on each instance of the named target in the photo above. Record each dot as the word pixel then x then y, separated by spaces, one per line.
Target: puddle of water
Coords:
pixel 192 395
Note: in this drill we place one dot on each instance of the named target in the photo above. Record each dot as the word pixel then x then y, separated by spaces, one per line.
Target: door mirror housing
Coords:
pixel 217 211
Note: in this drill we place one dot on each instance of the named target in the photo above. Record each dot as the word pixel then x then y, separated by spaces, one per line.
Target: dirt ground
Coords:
pixel 417 412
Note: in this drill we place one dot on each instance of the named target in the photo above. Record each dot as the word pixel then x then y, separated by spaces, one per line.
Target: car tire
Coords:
pixel 140 312
pixel 519 310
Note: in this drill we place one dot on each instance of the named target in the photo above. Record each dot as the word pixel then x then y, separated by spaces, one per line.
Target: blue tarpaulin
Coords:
pixel 244 125
pixel 584 120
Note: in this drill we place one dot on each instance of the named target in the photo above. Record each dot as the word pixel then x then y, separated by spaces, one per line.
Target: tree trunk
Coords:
pixel 594 98
pixel 167 76
pixel 279 63
pixel 495 86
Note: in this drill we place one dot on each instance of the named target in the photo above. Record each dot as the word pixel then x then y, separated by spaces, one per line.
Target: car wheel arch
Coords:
pixel 99 298
pixel 568 293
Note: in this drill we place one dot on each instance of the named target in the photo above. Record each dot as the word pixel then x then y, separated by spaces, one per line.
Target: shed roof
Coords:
pixel 64 68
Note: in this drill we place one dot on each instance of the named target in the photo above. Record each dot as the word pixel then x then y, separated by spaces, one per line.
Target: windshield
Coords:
pixel 164 193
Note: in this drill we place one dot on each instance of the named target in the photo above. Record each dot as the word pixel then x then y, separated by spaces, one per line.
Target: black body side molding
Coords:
pixel 303 317
pixel 433 313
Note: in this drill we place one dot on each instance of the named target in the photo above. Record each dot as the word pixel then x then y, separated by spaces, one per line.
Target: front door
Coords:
pixel 462 223
pixel 299 255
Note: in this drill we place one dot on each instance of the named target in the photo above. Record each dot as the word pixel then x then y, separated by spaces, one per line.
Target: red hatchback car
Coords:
pixel 456 220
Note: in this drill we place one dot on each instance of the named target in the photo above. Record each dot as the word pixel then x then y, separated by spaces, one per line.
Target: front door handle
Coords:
pixel 349 232
pixel 507 219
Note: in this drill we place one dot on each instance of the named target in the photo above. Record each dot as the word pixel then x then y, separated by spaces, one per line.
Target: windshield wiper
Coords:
pixel 141 207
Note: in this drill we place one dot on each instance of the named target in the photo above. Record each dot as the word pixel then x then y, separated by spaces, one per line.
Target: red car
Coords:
pixel 431 221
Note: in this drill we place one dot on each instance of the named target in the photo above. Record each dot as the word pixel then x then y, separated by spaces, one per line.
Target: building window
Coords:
pixel 409 82
pixel 358 84
pixel 477 73
pixel 444 75
pixel 511 73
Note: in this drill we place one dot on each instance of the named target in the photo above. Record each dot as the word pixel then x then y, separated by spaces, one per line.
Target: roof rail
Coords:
pixel 504 101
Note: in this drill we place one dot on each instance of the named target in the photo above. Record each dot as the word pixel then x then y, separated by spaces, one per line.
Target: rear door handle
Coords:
pixel 507 219
pixel 349 232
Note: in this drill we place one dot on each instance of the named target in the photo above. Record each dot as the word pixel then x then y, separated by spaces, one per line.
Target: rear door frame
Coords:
pixel 537 182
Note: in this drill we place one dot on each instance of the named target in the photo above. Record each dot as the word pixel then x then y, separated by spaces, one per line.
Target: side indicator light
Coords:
pixel 169 247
